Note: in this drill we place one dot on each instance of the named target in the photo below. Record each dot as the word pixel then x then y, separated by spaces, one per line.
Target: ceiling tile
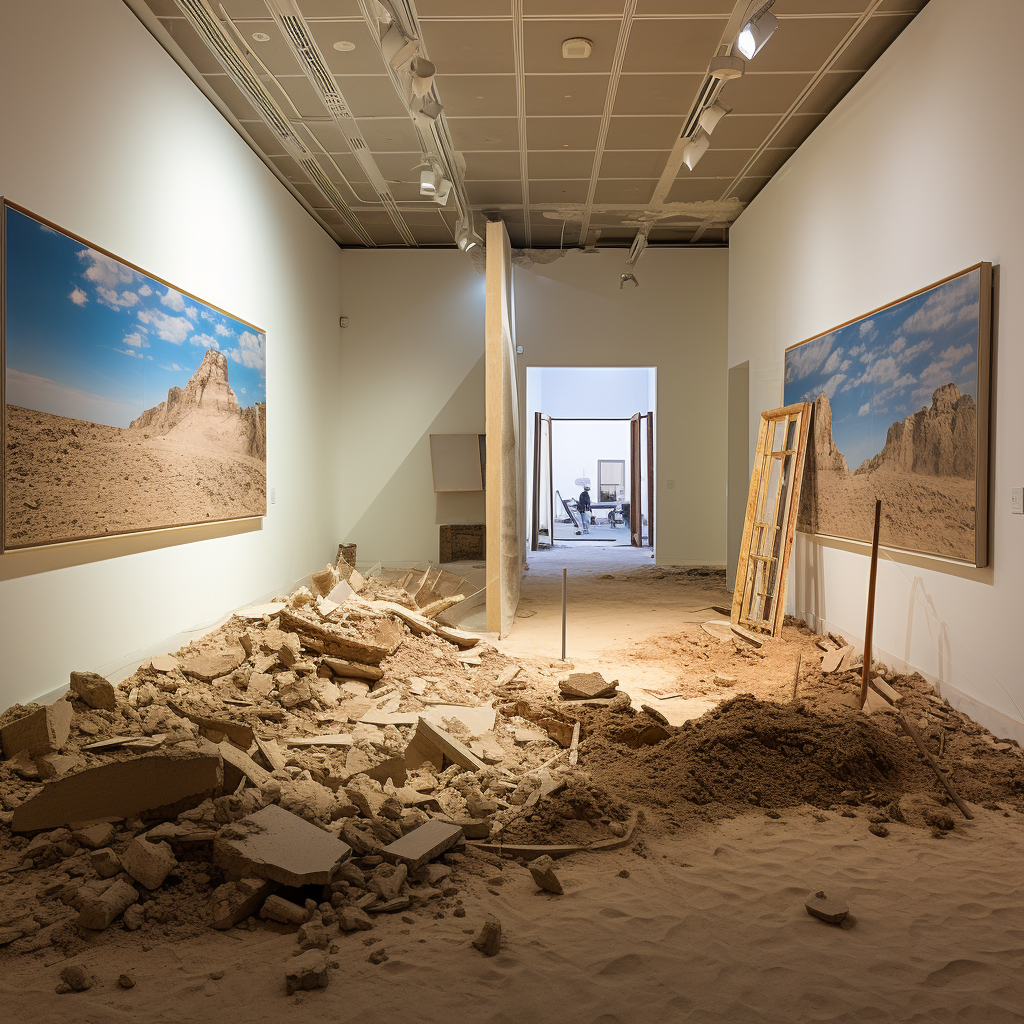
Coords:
pixel 371 96
pixel 567 191
pixel 353 169
pixel 399 167
pixel 262 136
pixel 673 45
pixel 566 95
pixel 718 163
pixel 491 193
pixel 685 7
pixel 785 8
pixel 246 9
pixel 463 8
pixel 871 41
pixel 796 129
pixel 380 227
pixel 477 95
pixel 763 94
pixel 191 45
pixel 770 161
pixel 697 190
pixel 300 91
pixel 657 94
pixel 328 134
pixel 644 132
pixel 165 8
pixel 562 132
pixel 623 163
pixel 275 53
pixel 365 59
pixel 390 134
pixel 571 8
pixel 330 9
pixel 493 165
pixel 625 190
pixel 290 168
pixel 800 44
pixel 230 94
pixel 542 45
pixel 908 6
pixel 549 234
pixel 469 47
pixel 310 193
pixel 743 131
pixel 568 163
pixel 829 91
pixel 470 133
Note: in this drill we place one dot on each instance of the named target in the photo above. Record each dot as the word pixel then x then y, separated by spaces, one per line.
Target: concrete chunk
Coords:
pixel 283 911
pixel 543 871
pixel 308 971
pixel 105 862
pixel 429 735
pixel 39 732
pixel 352 919
pixel 423 844
pixel 489 939
pixel 274 843
pixel 153 786
pixel 235 901
pixel 100 912
pixel 833 910
pixel 94 690
pixel 148 863
pixel 208 667
pixel 587 685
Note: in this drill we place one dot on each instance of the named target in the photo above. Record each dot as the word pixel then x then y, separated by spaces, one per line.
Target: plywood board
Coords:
pixel 456 462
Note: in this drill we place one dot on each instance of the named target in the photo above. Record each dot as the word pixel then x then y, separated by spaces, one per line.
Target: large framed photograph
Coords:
pixel 129 404
pixel 901 413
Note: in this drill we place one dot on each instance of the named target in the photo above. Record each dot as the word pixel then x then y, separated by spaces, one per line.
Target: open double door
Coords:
pixel 641 490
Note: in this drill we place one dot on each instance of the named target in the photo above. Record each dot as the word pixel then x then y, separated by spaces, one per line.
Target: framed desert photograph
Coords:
pixel 129 405
pixel 901 413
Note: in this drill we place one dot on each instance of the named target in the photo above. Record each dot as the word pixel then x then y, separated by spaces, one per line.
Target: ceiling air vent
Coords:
pixel 577 48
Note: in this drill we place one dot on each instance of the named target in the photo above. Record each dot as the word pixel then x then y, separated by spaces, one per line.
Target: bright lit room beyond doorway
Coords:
pixel 590 441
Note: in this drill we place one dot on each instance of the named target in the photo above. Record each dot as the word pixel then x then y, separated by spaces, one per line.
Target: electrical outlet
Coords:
pixel 1017 500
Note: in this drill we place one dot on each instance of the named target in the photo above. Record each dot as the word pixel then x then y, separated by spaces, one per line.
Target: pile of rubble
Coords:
pixel 316 761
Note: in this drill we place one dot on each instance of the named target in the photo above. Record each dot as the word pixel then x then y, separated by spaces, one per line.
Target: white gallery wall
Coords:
pixel 572 313
pixel 105 136
pixel 411 365
pixel 914 176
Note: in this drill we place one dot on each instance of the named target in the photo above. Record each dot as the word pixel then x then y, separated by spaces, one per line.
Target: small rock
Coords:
pixel 308 971
pixel 623 873
pixel 77 978
pixel 878 830
pixel 134 918
pixel 489 939
pixel 654 713
pixel 94 836
pixel 99 912
pixel 721 679
pixel 313 935
pixel 126 981
pixel 105 863
pixel 148 863
pixel 94 690
pixel 832 910
pixel 543 871
pixel 278 909
pixel 617 828
pixel 352 919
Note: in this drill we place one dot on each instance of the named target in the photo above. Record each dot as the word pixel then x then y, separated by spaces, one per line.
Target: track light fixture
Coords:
pixel 444 188
pixel 695 149
pixel 710 116
pixel 465 237
pixel 623 278
pixel 423 72
pixel 428 181
pixel 756 33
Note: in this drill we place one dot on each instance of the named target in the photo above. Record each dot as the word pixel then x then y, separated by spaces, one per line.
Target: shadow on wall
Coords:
pixel 400 524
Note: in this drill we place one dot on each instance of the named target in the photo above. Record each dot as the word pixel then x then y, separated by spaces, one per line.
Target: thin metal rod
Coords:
pixel 565 573
pixel 869 626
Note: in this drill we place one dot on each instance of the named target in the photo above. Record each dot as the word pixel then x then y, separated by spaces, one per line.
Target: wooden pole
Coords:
pixel 916 737
pixel 869 626
pixel 565 573
pixel 796 676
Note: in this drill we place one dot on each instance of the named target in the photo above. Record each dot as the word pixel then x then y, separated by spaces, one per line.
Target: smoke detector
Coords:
pixel 577 48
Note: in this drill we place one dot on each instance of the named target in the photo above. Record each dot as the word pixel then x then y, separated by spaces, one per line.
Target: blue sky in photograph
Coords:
pixel 92 339
pixel 882 368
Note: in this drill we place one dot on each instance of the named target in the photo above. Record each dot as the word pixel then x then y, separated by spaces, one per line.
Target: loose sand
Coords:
pixel 67 479
pixel 701 918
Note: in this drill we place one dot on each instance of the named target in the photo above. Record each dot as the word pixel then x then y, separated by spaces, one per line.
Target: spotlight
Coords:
pixel 423 72
pixel 623 278
pixel 444 187
pixel 756 33
pixel 428 181
pixel 695 149
pixel 465 237
pixel 710 116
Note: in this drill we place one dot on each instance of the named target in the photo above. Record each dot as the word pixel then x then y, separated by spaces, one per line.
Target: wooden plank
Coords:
pixel 352 670
pixel 334 739
pixel 870 624
pixel 574 746
pixel 881 686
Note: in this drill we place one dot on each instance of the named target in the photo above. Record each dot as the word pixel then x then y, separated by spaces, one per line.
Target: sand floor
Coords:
pixel 707 926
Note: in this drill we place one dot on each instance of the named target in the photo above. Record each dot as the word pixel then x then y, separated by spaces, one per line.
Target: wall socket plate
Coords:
pixel 1017 500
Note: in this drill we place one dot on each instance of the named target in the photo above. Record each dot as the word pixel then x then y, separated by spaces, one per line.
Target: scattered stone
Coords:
pixel 721 679
pixel 489 939
pixel 833 910
pixel 623 873
pixel 378 956
pixel 233 902
pixel 134 918
pixel 587 685
pixel 878 830
pixel 39 732
pixel 352 919
pixel 276 844
pixel 423 844
pixel 163 663
pixel 283 911
pixel 75 978
pixel 148 863
pixel 207 667
pixel 94 836
pixel 99 912
pixel 105 862
pixel 313 935
pixel 94 690
pixel 306 972
pixel 387 881
pixel 126 981
pixel 543 871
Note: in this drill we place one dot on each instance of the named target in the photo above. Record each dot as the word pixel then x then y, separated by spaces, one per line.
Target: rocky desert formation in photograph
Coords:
pixel 197 457
pixel 925 476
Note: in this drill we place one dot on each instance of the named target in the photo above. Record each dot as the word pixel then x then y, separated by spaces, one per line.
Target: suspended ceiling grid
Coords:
pixel 555 147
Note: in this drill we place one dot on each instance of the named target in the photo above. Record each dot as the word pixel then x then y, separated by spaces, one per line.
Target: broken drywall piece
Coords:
pixel 587 685
pixel 241 735
pixel 94 690
pixel 148 863
pixel 276 844
pixel 543 871
pixel 423 844
pixel 153 786
pixel 341 593
pixel 477 720
pixel 207 667
pixel 39 732
pixel 428 736
pixel 233 902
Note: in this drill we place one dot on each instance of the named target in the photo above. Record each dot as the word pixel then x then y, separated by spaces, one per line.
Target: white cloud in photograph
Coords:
pixel 78 297
pixel 174 329
pixel 251 351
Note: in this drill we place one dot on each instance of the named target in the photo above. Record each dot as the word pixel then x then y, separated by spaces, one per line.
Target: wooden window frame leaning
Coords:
pixel 773 557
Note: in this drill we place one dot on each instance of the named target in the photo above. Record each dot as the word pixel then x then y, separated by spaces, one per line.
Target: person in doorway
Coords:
pixel 584 507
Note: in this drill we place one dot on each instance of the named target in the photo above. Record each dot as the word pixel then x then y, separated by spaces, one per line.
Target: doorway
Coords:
pixel 591 439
